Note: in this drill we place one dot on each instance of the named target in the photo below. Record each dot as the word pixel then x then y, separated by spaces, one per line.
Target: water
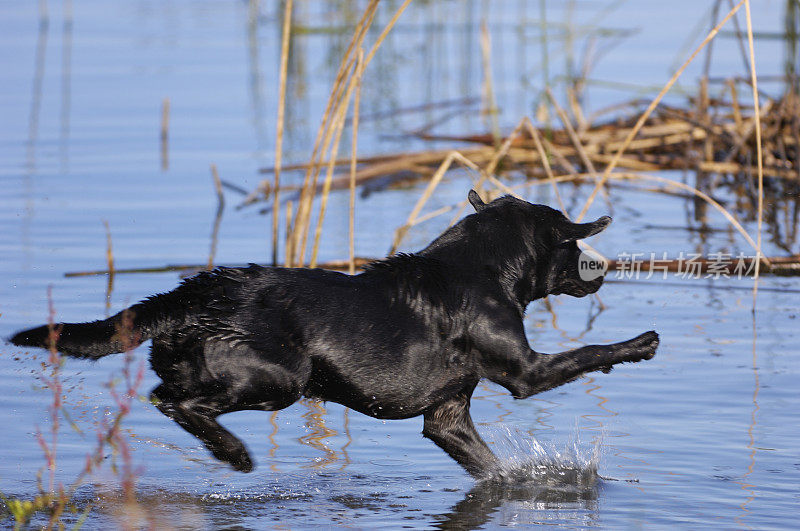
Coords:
pixel 704 434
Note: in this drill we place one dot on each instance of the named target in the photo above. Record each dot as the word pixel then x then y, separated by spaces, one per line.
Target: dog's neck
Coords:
pixel 507 264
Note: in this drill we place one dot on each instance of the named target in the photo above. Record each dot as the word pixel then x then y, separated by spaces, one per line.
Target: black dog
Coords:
pixel 411 335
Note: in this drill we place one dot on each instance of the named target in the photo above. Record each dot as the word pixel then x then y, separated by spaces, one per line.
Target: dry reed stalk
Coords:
pixel 575 138
pixel 385 32
pixel 342 161
pixel 577 112
pixel 759 155
pixel 502 150
pixel 439 211
pixel 356 43
pixel 288 251
pixel 109 249
pixel 413 220
pixel 426 195
pixel 478 186
pixel 705 197
pixel 491 166
pixel 626 162
pixel 733 167
pixel 576 141
pixel 705 119
pixel 353 162
pixel 286 32
pixel 109 265
pixel 640 122
pixel 323 132
pixel 328 129
pixel 501 186
pixel 560 158
pixel 747 130
pixel 338 128
pixel 546 163
pixel 787 265
pixel 217 185
pixel 489 100
pixel 308 191
pixel 737 113
pixel 218 218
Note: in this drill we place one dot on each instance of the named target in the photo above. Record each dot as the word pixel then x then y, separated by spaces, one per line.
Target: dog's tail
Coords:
pixel 119 333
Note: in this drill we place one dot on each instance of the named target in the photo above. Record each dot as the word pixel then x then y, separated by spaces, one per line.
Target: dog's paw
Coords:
pixel 235 454
pixel 644 345
pixel 243 463
pixel 240 461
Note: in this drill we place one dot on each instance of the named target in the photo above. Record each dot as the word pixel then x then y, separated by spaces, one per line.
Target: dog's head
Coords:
pixel 546 253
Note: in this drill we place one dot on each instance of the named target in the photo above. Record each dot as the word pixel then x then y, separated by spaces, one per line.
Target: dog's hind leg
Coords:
pixel 204 379
pixel 198 416
pixel 450 426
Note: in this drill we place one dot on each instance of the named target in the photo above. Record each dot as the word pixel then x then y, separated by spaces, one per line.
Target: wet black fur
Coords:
pixel 412 335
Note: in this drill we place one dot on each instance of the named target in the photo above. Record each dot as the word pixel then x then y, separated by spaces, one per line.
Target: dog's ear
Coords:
pixel 476 201
pixel 570 232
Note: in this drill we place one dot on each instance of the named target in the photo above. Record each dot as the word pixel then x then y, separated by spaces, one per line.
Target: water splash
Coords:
pixel 524 459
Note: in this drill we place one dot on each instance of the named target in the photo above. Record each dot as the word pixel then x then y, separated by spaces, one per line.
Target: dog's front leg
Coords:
pixel 450 426
pixel 552 370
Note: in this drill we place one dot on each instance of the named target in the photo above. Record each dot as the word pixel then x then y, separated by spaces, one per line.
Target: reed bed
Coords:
pixel 708 136
pixel 714 138
pixel 721 139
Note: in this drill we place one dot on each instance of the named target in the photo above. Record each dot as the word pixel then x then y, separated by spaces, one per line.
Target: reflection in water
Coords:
pixel 315 421
pixel 498 398
pixel 746 485
pixel 165 134
pixel 256 78
pixel 273 421
pixel 558 498
pixel 33 131
pixel 38 79
pixel 543 486
pixel 66 84
pixel 348 438
pixel 546 483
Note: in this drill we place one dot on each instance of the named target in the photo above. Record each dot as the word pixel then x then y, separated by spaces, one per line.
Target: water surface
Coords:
pixel 704 434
